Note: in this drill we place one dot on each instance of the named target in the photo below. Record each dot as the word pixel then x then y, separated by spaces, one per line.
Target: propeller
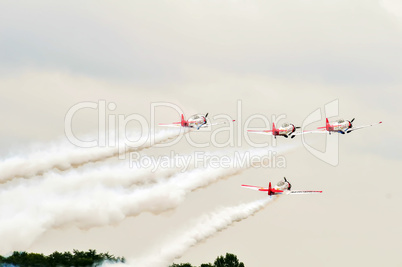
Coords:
pixel 295 127
pixel 294 130
pixel 205 121
pixel 290 186
pixel 350 125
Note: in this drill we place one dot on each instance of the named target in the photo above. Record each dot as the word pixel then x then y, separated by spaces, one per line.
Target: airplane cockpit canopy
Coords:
pixel 285 125
pixel 280 183
pixel 198 118
pixel 341 121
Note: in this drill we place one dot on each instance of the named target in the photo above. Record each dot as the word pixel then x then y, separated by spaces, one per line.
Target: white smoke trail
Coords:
pixel 110 176
pixel 66 156
pixel 29 211
pixel 208 226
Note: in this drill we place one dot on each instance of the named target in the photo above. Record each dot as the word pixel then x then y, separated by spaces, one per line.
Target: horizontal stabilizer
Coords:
pixel 300 192
pixel 257 188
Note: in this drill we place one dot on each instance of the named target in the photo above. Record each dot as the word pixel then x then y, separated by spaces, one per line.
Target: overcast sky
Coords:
pixel 276 57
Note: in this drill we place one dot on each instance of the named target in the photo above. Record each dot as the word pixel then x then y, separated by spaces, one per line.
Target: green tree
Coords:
pixel 36 259
pixel 181 265
pixel 230 260
pixel 17 258
pixel 220 261
pixel 56 259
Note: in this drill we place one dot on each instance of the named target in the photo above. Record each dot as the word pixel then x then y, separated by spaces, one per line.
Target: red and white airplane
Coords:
pixel 340 126
pixel 286 130
pixel 196 121
pixel 283 187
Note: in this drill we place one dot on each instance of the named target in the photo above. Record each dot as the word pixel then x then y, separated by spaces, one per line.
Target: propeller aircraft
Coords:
pixel 282 187
pixel 196 121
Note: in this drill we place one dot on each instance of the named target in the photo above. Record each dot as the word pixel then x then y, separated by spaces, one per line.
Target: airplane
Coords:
pixel 196 121
pixel 340 126
pixel 282 187
pixel 286 130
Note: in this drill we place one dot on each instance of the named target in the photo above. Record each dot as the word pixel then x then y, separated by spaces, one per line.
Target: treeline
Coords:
pixel 92 258
pixel 230 260
pixel 77 258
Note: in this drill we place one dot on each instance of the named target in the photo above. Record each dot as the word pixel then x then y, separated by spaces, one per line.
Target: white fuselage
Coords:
pixel 338 126
pixel 196 121
pixel 282 186
pixel 285 129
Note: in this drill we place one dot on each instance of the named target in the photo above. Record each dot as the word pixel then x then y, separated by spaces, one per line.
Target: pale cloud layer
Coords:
pixel 393 6
pixel 345 42
pixel 277 57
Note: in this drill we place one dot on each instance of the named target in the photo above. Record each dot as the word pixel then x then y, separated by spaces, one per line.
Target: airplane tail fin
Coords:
pixel 274 132
pixel 269 189
pixel 183 121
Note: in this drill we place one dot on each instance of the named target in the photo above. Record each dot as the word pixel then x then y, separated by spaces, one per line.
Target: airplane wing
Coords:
pixel 309 132
pixel 300 192
pixel 256 188
pixel 212 124
pixel 263 189
pixel 266 132
pixel 169 125
pixel 293 192
pixel 361 127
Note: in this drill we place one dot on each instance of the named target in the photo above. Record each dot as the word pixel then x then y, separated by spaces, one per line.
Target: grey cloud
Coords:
pixel 346 44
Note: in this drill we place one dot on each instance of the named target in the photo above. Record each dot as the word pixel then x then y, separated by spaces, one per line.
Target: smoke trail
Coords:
pixel 65 156
pixel 52 204
pixel 118 176
pixel 45 206
pixel 208 226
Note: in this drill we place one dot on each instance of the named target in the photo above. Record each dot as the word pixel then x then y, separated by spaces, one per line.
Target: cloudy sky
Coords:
pixel 274 58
